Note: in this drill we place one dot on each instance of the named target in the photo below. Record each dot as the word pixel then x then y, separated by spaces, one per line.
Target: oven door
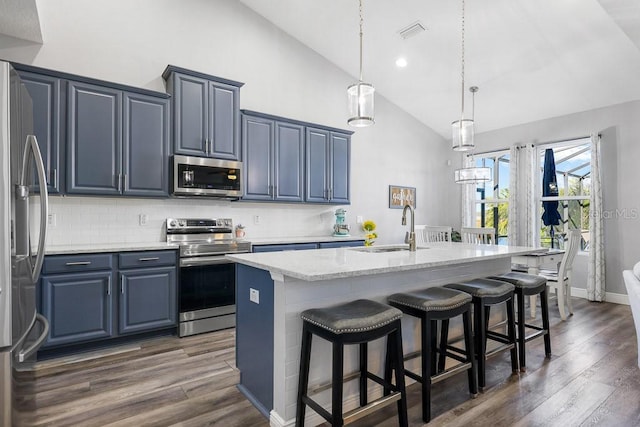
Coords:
pixel 206 294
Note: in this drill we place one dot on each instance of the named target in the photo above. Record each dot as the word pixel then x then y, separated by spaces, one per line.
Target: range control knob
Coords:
pixel 172 223
pixel 182 223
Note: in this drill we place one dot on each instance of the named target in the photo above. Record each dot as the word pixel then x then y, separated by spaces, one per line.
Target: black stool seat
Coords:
pixel 485 293
pixel 431 299
pixel 355 322
pixel 526 285
pixel 529 283
pixel 355 316
pixel 430 305
pixel 483 287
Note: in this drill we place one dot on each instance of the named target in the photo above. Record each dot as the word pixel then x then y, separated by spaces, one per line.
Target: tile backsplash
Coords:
pixel 86 220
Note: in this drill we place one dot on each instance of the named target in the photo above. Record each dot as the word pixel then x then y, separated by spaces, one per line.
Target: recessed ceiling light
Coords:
pixel 401 62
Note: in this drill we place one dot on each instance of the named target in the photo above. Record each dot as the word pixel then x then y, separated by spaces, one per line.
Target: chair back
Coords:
pixel 570 251
pixel 433 233
pixel 478 235
pixel 632 283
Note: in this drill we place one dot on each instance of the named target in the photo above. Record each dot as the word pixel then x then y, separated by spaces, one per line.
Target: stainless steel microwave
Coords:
pixel 198 176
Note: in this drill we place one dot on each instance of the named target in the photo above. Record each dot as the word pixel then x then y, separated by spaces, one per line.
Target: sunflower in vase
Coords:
pixel 370 235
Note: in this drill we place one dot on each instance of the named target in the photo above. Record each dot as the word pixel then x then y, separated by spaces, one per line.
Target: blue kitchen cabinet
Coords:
pixel 145 154
pixel 148 291
pixel 206 114
pixel 147 299
pixel 48 124
pixel 118 142
pixel 273 159
pixel 94 139
pixel 345 244
pixel 285 247
pixel 328 166
pixel 93 298
pixel 76 297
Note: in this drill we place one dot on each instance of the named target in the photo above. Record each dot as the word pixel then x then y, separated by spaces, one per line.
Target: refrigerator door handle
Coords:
pixel 23 191
pixel 25 353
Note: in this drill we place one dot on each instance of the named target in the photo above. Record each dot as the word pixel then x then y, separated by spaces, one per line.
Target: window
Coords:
pixel 573 176
pixel 492 198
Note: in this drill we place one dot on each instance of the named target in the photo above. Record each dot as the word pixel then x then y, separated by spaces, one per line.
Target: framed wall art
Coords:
pixel 401 196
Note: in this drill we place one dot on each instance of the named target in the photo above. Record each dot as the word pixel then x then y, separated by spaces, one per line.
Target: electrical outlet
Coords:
pixel 51 220
pixel 254 295
pixel 143 219
pixel 359 219
pixel 256 219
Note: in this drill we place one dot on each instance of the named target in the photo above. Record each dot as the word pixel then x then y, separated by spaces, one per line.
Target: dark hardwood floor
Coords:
pixel 592 379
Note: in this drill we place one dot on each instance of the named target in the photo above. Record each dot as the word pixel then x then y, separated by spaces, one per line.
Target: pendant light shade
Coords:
pixel 472 175
pixel 361 98
pixel 360 95
pixel 462 133
pixel 462 130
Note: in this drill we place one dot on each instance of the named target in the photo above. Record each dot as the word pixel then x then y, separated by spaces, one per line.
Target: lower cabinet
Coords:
pixel 79 306
pixel 96 297
pixel 307 245
pixel 147 299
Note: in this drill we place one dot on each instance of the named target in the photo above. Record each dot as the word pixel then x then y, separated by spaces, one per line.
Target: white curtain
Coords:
pixel 468 197
pixel 521 227
pixel 595 280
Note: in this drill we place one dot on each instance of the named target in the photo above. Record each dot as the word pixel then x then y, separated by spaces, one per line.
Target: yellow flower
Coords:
pixel 368 225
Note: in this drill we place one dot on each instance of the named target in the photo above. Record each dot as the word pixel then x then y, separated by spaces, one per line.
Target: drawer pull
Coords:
pixel 152 258
pixel 71 264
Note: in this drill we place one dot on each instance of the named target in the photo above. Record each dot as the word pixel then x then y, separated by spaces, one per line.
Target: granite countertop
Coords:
pixel 106 247
pixel 326 264
pixel 151 246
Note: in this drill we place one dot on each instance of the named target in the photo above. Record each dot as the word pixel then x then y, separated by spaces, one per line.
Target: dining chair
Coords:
pixel 433 233
pixel 478 235
pixel 560 280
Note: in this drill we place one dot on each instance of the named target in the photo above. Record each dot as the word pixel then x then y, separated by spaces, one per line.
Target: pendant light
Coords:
pixel 462 130
pixel 360 95
pixel 472 175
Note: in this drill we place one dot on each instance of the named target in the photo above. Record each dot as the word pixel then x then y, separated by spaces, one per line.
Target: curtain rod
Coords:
pixel 538 144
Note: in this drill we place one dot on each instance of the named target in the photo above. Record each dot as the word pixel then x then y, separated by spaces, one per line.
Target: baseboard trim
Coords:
pixel 608 296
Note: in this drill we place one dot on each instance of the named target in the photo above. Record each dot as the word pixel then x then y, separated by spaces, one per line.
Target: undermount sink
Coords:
pixel 382 249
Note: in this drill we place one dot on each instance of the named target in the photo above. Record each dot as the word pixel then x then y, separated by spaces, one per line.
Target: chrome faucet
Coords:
pixel 410 237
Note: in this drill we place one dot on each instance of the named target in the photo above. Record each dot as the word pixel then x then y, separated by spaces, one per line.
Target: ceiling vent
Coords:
pixel 412 30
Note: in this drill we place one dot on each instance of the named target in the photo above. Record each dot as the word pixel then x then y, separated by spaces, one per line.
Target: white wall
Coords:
pixel 132 43
pixel 620 129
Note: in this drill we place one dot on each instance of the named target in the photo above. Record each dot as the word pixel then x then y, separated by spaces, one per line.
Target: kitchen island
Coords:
pixel 274 288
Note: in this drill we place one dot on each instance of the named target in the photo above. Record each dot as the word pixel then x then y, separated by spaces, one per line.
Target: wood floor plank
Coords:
pixel 190 382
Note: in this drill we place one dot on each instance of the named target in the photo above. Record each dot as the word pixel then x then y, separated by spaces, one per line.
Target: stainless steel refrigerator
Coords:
pixel 23 229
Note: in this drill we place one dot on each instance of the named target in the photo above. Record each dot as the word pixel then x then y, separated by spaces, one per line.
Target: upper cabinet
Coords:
pixel 206 119
pixel 273 159
pixel 328 163
pixel 45 92
pixel 118 142
pixel 99 138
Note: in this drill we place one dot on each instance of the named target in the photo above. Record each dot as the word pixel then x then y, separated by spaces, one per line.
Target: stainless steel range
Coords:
pixel 207 281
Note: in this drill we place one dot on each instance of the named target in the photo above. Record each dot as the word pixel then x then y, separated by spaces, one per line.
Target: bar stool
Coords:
pixel 527 285
pixel 430 305
pixel 355 322
pixel 485 293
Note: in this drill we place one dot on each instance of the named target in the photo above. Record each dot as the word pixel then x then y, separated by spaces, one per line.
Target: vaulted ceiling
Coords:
pixel 531 59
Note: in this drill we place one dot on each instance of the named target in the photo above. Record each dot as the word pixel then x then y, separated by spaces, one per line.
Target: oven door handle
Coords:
pixel 204 260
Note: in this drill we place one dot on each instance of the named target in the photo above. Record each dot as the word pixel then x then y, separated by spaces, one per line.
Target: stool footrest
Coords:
pixel 319 409
pixel 450 372
pixel 535 335
pixel 356 414
pixel 495 336
pixel 499 349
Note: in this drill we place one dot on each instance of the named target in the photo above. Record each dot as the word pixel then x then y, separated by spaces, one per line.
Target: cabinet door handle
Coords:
pixel 55 178
pixel 151 258
pixel 275 191
pixel 124 182
pixel 121 285
pixel 109 286
pixel 76 263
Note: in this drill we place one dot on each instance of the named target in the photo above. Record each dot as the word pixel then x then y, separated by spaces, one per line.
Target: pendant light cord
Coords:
pixel 361 24
pixel 462 74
